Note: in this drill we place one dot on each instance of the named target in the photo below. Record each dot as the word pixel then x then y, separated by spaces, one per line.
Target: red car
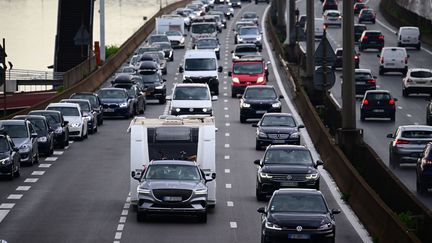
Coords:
pixel 248 70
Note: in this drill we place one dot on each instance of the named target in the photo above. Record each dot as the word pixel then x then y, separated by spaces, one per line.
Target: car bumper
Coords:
pixel 251 113
pixel 156 94
pixel 75 131
pixel 116 111
pixel 372 45
pixel 59 138
pixel 189 112
pixel 321 236
pixel 378 112
pixel 25 157
pixel 407 155
pixel 44 147
pixel 419 89
pixel 193 206
pixel 425 178
pixel 268 141
pixel 268 187
pixel 6 169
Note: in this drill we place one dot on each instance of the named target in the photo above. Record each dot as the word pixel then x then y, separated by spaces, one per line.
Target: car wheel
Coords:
pixel 162 100
pixel 95 129
pixel 86 135
pixel 242 119
pixel 361 48
pixel 381 71
pixel 393 117
pixel 202 218
pixel 362 116
pixel 233 94
pixel 259 195
pixel 418 47
pixel 405 92
pixel 405 71
pixel 420 187
pixel 141 216
pixel 393 163
pixel 36 159
pixel 17 171
pixel 67 140
pixel 62 144
pixel 257 145
pixel 264 239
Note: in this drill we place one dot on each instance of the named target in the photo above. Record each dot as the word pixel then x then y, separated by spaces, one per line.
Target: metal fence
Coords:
pixel 22 74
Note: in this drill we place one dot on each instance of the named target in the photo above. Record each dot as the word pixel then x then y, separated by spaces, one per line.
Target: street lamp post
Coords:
pixel 102 29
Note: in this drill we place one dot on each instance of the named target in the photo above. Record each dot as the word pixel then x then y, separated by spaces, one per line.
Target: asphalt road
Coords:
pixel 410 110
pixel 80 194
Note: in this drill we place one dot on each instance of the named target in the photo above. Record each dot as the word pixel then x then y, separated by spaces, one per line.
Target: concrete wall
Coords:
pixel 420 7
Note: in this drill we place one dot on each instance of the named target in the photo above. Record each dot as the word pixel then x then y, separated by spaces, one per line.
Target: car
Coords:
pixel 243 50
pixel 364 81
pixel 367 15
pixel 240 24
pixel 194 99
pixel 167 49
pixel 339 59
pixel 429 113
pixel 297 215
pixel 147 48
pixel 148 66
pixel 137 98
pixel 212 19
pixel 157 38
pixel 221 17
pixel 358 31
pixel 128 78
pixel 10 165
pixel 417 80
pixel 116 102
pixel 378 104
pixel 409 36
pixel 129 69
pixel 393 59
pixel 87 113
pixel 247 71
pixel 235 3
pixel 78 124
pixel 257 1
pixel 198 10
pixel 218 19
pixel 185 14
pixel 45 134
pixel 371 39
pixel 176 38
pixel 257 100
pixel 94 102
pixel 225 8
pixel 319 28
pixel 250 16
pixel 424 170
pixel 249 34
pixel 154 85
pixel 209 44
pixel 302 21
pixel 407 144
pixel 172 187
pixel 159 58
pixel 329 5
pixel 24 137
pixel 332 17
pixel 58 124
pixel 358 7
pixel 277 128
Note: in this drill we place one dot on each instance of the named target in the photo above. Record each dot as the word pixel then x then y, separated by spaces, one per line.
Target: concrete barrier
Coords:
pixel 79 72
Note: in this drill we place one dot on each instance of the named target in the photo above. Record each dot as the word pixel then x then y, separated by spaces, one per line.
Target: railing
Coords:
pixel 22 74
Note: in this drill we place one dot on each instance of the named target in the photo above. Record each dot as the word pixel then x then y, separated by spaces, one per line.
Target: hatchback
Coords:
pixel 332 17
pixel 364 81
pixel 367 15
pixel 417 80
pixel 378 104
pixel 371 39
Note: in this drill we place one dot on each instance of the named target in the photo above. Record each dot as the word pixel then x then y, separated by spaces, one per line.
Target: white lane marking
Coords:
pixel 408 115
pixel 58 152
pixel 400 107
pixel 378 86
pixel 3 214
pixel 225 94
pixel 225 72
pixel 31 180
pixel 225 100
pixel 227 145
pixel 230 204
pixel 120 227
pixel 225 87
pixel 67 147
pixel 122 220
pixel 15 196
pixel 44 165
pixel 38 172
pixel 51 159
pixel 416 123
pixel 7 205
pixel 227 124
pixel 126 206
pixel 228 186
pixel 225 108
pixel 118 235
pixel 226 54
pixel 353 219
pixel 124 212
pixel 23 188
pixel 71 141
pixel 166 109
pixel 227 171
pixel 226 116
pixel 175 78
pixel 233 225
pixel 227 134
pixel 116 241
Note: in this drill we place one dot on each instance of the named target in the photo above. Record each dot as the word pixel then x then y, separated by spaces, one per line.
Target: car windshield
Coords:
pixel 249 31
pixel 200 64
pixel 158 38
pixel 249 15
pixel 130 91
pixel 207 44
pixel 203 28
pixel 286 121
pixel 297 203
pixel 172 172
pixel 16 131
pixel 66 111
pixel 164 45
pixel 52 119
pixel 91 98
pixel 173 33
pixel 112 94
pixel 83 105
pixel 191 93
pixel 38 125
pixel 367 11
pixel 4 145
pixel 288 156
pixel 417 134
pixel 262 94
pixel 421 74
pixel 248 68
pixel 363 76
pixel 141 50
pixel 150 77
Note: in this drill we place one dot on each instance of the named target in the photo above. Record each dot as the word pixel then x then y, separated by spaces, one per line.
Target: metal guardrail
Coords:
pixel 22 74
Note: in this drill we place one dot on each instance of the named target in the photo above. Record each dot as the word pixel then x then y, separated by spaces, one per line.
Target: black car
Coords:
pixel 45 134
pixel 277 128
pixel 367 15
pixel 284 166
pixel 298 215
pixel 339 59
pixel 167 49
pixel 148 66
pixel 257 100
pixel 95 104
pixel 358 7
pixel 116 102
pixel 154 85
pixel 24 137
pixel 87 113
pixel 244 50
pixel 257 1
pixel 137 98
pixel 364 81
pixel 378 104
pixel 373 39
pixel 57 123
pixel 358 31
pixel 129 79
pixel 424 170
pixel 9 157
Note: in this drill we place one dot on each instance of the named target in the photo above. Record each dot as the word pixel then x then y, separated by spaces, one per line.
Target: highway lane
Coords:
pixel 82 196
pixel 411 110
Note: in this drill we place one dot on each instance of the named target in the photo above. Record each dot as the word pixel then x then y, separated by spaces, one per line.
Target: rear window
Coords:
pixel 410 31
pixel 373 33
pixel 361 76
pixel 333 14
pixel 393 53
pixel 417 134
pixel 378 96
pixel 421 74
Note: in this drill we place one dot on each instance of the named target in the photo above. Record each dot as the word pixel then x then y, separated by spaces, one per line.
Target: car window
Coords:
pixel 288 156
pixel 298 203
pixel 286 121
pixel 189 93
pixel 172 172
pixel 16 131
pixel 248 31
pixel 113 94
pixel 91 98
pixel 207 43
pixel 66 111
pixel 38 125
pixel 333 14
pixel 203 28
pixel 362 76
pixel 421 74
pixel 200 64
pixel 378 97
pixel 260 94
pixel 248 68
pixel 417 134
pixel 4 145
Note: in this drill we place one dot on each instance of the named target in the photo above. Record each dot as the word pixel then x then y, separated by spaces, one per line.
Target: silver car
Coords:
pixel 249 34
pixel 408 143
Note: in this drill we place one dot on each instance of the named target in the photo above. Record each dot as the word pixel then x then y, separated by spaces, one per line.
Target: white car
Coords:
pixel 332 17
pixel 78 124
pixel 176 39
pixel 417 80
pixel 191 99
pixel 393 59
pixel 409 36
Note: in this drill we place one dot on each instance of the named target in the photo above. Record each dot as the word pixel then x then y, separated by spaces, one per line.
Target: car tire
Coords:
pixel 67 140
pixel 257 145
pixel 361 48
pixel 202 217
pixel 141 217
pixel 162 100
pixel 86 135
pixel 17 172
pixel 381 71
pixel 405 71
pixel 393 163
pixel 36 159
pixel 259 195
pixel 418 47
pixel 362 116
pixel 264 239
pixel 393 117
pixel 242 119
pixel 233 94
pixel 405 92
pixel 420 188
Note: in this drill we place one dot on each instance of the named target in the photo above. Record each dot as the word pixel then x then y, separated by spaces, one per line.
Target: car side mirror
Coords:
pixel 390 135
pixel 181 69
pixel 214 98
pixel 319 163
pixel 136 175
pixel 261 210
pixel 220 69
pixel 163 80
pixel 335 211
pixel 268 62
pixel 34 135
pixel 257 162
pixel 255 125
pixel 300 126
pixel 229 74
pixel 281 96
pixel 408 56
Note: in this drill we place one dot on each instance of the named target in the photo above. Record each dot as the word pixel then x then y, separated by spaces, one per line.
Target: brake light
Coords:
pixel 356 7
pixel 365 102
pixel 381 37
pixel 391 102
pixel 356 57
pixel 382 59
pixel 402 141
pixel 365 37
pixel 360 15
pixel 371 81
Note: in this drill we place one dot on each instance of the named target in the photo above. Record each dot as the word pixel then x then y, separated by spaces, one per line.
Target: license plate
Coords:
pixel 278 141
pixel 289 184
pixel 260 112
pixel 378 110
pixel 298 236
pixel 359 82
pixel 108 110
pixel 390 64
pixel 173 199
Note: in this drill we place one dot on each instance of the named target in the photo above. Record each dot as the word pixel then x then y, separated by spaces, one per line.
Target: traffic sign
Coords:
pixel 324 78
pixel 324 54
pixel 82 37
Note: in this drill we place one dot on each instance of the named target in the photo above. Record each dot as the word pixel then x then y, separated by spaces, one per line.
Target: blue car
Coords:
pixel 116 102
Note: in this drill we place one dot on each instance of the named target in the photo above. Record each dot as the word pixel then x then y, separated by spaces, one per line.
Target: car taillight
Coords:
pixel 356 7
pixel 371 81
pixel 365 37
pixel 356 57
pixel 381 37
pixel 409 80
pixel 382 59
pixel 391 102
pixel 365 102
pixel 360 15
pixel 402 141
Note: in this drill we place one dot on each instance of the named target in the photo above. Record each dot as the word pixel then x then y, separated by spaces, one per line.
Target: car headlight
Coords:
pixel 272 226
pixel 77 124
pixel 59 130
pixel 312 176
pixel 159 87
pixel 239 38
pixel 258 38
pixel 143 191
pixel 123 105
pixel 5 161
pixel 206 109
pixel 260 80
pixel 182 40
pixel 216 49
pixel 265 175
pixel 276 105
pixel 236 80
pixel 244 105
pixel 325 226
pixel 42 139
pixel 25 148
pixel 261 134
pixel 175 109
pixel 295 135
pixel 201 191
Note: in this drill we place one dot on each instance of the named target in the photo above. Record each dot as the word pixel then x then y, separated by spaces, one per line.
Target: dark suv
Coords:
pixel 154 85
pixel 94 101
pixel 57 123
pixel 358 31
pixel 172 186
pixel 378 104
pixel 424 170
pixel 284 166
pixel 339 59
pixel 257 100
pixel 9 157
pixel 371 39
pixel 364 81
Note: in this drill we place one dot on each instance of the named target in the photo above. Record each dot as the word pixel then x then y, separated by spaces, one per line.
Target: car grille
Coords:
pixel 74 133
pixel 249 39
pixel 175 43
pixel 203 80
pixel 186 111
pixel 284 177
pixel 161 193
pixel 261 106
pixel 110 105
pixel 279 136
pixel 149 88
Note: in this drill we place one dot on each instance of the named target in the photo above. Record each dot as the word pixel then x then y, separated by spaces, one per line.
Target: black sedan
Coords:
pixel 9 157
pixel 57 123
pixel 257 100
pixel 135 95
pixel 116 102
pixel 277 128
pixel 94 101
pixel 154 85
pixel 298 215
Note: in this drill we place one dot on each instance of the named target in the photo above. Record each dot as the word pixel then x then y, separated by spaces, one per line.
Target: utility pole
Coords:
pixel 310 41
pixel 348 92
pixel 102 29
pixel 3 73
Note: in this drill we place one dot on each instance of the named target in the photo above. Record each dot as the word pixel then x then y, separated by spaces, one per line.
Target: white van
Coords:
pixel 191 99
pixel 393 59
pixel 409 36
pixel 201 66
pixel 319 28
